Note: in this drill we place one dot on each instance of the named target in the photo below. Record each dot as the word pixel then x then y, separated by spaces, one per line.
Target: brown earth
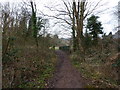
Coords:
pixel 65 76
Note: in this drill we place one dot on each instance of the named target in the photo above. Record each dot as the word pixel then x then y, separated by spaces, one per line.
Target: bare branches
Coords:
pixel 59 19
pixel 68 9
pixel 55 9
pixel 74 13
pixel 92 8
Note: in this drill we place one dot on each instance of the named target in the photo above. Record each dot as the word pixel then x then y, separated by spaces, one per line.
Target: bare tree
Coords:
pixel 74 13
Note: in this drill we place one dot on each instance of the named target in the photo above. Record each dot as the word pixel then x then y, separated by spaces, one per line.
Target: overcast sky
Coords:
pixel 107 18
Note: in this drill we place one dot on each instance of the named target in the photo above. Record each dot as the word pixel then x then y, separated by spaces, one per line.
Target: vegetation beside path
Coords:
pixel 99 70
pixel 29 68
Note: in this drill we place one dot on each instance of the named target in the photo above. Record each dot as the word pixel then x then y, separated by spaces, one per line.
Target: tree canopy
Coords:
pixel 94 26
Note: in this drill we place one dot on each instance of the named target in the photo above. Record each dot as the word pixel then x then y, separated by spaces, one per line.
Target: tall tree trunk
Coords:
pixel 82 4
pixel 34 20
pixel 74 40
pixel 73 33
pixel 79 28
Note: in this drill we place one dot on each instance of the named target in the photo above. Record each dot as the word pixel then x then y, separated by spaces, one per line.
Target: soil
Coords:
pixel 66 75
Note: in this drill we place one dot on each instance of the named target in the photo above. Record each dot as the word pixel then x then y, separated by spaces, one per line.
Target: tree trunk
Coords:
pixel 74 40
pixel 73 33
pixel 79 24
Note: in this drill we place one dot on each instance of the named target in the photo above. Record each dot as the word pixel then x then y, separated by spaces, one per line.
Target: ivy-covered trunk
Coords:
pixel 34 25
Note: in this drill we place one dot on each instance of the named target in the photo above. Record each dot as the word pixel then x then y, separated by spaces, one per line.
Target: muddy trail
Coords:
pixel 65 76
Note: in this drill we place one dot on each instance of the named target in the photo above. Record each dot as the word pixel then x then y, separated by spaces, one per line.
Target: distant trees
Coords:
pixel 74 13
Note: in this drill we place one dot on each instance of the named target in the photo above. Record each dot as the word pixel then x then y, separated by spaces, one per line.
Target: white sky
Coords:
pixel 107 18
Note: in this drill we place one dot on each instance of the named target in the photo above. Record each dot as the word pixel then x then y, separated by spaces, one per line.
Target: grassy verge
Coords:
pixel 45 74
pixel 30 69
pixel 100 73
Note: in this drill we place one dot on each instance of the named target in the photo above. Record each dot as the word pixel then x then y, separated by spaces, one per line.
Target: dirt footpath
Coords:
pixel 65 76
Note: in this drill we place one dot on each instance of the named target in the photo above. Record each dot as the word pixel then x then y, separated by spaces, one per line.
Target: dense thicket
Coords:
pixel 26 51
